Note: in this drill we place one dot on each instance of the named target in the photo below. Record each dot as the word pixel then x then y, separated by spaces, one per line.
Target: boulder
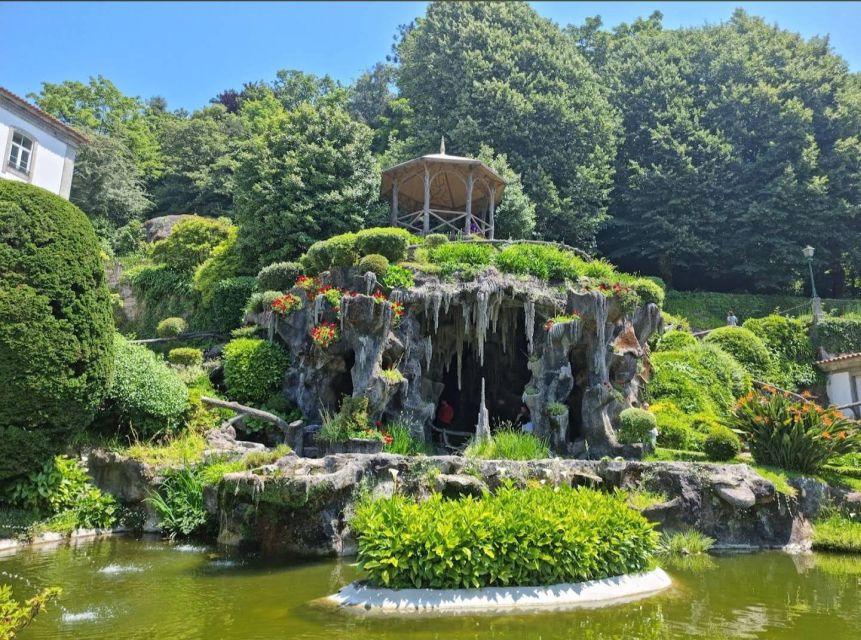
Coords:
pixel 127 479
pixel 160 227
pixel 459 485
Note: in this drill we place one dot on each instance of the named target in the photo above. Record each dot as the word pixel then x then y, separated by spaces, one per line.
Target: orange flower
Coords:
pixel 841 435
pixel 826 436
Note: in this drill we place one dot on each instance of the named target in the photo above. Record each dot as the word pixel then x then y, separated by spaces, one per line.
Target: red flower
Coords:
pixel 379 296
pixel 378 424
pixel 325 334
pixel 286 304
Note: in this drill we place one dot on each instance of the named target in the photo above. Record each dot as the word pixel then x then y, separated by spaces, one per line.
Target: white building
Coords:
pixel 37 148
pixel 844 382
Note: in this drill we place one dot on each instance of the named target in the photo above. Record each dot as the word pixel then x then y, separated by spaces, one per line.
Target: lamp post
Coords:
pixel 808 253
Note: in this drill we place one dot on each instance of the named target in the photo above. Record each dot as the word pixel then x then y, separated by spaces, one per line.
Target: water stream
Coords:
pixel 130 589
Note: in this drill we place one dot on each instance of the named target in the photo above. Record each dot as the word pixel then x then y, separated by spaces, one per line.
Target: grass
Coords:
pixel 188 447
pixel 213 472
pixel 686 543
pixel 837 533
pixel 641 499
pixel 675 455
pixel 778 477
pixel 508 445
pixel 403 443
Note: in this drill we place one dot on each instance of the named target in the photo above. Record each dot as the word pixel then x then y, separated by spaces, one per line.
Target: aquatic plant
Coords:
pixel 689 542
pixel 178 503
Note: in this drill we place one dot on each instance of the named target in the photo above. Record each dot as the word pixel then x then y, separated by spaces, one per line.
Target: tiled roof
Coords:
pixel 841 357
pixel 45 117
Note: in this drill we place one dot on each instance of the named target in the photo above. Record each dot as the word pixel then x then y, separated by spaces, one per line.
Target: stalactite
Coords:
pixel 370 282
pixel 529 313
pixel 459 347
pixel 318 308
pixel 481 322
pixel 271 321
pixel 428 352
pixel 345 302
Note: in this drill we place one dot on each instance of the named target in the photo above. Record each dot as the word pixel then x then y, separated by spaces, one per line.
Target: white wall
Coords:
pixel 839 389
pixel 50 153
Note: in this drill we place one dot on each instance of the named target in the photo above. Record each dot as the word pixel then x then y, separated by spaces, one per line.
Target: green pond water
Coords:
pixel 127 589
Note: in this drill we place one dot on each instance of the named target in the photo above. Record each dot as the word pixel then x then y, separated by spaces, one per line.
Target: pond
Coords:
pixel 130 589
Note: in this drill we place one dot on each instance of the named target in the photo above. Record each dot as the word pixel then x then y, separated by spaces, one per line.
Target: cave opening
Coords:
pixel 342 381
pixel 579 370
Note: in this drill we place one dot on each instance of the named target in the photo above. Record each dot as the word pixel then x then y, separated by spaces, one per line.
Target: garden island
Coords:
pixel 364 379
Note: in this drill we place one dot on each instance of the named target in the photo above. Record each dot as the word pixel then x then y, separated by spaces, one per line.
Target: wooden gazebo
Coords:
pixel 439 193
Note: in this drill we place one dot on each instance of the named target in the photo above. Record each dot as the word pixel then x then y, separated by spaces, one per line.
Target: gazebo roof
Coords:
pixel 446 192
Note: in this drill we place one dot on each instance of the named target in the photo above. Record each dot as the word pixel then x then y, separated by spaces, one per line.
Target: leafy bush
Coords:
pixel 279 276
pixel 545 262
pixel 435 239
pixel 539 536
pixel 648 290
pixel 745 347
pixel 507 443
pixel 839 335
pixel 402 441
pixel 389 242
pixel 178 503
pixel 792 435
pixel 375 263
pixel 56 325
pixel 253 369
pixel 146 396
pixel 171 328
pixel 224 262
pixel 675 340
pixel 457 256
pixel 790 348
pixel 635 425
pixel 351 421
pixel 16 616
pixel 337 251
pixel 674 428
pixel 398 277
pixel 265 301
pixel 129 238
pixel 721 444
pixel 229 298
pixel 185 356
pixel 190 243
pixel 599 269
pixel 684 543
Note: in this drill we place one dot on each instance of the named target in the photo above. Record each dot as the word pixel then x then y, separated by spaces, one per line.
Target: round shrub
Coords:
pixel 750 352
pixel 649 291
pixel 171 328
pixel 675 322
pixel 280 276
pixel 385 241
pixel 190 243
pixel 224 262
pixel 721 444
pixel 259 302
pixel 185 356
pixel 674 430
pixel 435 239
pixel 146 396
pixel 253 369
pixel 675 340
pixel 337 251
pixel 635 425
pixel 56 325
pixel 229 298
pixel 375 263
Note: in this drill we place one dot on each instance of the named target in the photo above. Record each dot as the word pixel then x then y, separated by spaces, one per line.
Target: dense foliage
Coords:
pixel 790 347
pixel 839 335
pixel 16 616
pixel 745 347
pixel 635 425
pixel 55 325
pixel 253 369
pixel 721 444
pixel 179 502
pixel 539 536
pixel 508 444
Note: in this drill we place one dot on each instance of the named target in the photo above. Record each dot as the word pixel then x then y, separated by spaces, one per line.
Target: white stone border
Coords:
pixel 358 596
pixel 10 545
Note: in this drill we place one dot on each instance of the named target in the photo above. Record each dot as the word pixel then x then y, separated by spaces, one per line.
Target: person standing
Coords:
pixel 445 414
pixel 731 320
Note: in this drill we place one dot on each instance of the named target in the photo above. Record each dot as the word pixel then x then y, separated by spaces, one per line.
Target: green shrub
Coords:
pixel 675 322
pixel 402 441
pixel 229 298
pixel 684 543
pixel 259 302
pixel 178 503
pixel 674 428
pixel 398 277
pixel 16 616
pixel 337 251
pixel 635 425
pixel 224 262
pixel 532 537
pixel 129 238
pixel 253 369
pixel 390 242
pixel 351 421
pixel 648 290
pixel 545 262
pixel 721 444
pixel 185 356
pixel 435 239
pixel 171 328
pixel 839 335
pixel 790 348
pixel 454 256
pixel 190 243
pixel 508 443
pixel 56 326
pixel 792 435
pixel 375 263
pixel 146 396
pixel 280 276
pixel 599 269
pixel 745 347
pixel 675 340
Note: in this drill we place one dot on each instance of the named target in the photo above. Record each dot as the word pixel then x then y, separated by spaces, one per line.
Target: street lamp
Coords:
pixel 808 253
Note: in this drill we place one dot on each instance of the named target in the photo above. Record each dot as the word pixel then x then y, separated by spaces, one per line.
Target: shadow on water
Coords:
pixel 122 588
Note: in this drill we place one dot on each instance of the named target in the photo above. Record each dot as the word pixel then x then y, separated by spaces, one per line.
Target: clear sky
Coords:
pixel 190 51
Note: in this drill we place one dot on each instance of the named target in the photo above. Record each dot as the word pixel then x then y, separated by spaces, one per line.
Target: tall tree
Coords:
pixel 499 74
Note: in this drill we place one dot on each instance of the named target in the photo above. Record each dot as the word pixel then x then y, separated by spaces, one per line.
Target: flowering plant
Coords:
pixel 288 303
pixel 308 285
pixel 379 297
pixel 397 312
pixel 560 319
pixel 324 334
pixel 332 295
pixel 786 432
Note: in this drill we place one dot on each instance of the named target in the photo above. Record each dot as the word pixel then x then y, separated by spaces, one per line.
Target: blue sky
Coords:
pixel 190 51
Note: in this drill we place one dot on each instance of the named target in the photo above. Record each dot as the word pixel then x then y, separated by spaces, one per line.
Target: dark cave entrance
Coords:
pixel 579 370
pixel 342 381
pixel 506 374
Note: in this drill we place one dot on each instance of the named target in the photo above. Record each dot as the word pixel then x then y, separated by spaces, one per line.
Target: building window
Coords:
pixel 20 152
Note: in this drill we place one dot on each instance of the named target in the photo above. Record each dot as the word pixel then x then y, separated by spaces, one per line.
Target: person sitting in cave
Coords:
pixel 445 414
pixel 524 420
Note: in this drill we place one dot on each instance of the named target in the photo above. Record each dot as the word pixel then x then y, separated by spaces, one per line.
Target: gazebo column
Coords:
pixel 393 218
pixel 491 221
pixel 468 220
pixel 426 225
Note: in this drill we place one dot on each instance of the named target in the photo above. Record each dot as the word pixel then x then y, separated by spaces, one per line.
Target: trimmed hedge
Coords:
pixel 385 241
pixel 435 239
pixel 56 325
pixel 375 263
pixel 253 369
pixel 531 537
pixel 171 328
pixel 337 251
pixel 635 425
pixel 744 346
pixel 280 276
pixel 674 340
pixel 190 243
pixel 721 444
pixel 229 298
pixel 146 397
pixel 185 356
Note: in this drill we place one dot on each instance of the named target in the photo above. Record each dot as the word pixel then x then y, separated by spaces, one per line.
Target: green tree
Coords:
pixel 305 175
pixel 499 74
pixel 515 216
